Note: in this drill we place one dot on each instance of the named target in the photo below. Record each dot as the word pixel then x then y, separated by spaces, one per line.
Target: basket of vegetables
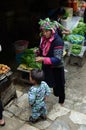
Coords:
pixel 80 29
pixel 76 49
pixel 76 38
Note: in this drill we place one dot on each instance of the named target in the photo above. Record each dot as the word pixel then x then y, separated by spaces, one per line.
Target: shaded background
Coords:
pixel 19 21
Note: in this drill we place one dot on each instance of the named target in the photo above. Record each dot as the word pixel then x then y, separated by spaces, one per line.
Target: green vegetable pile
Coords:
pixel 80 29
pixel 75 38
pixel 76 49
pixel 28 58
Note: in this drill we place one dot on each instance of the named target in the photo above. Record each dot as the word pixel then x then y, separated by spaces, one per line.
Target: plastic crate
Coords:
pixel 18 57
pixel 21 45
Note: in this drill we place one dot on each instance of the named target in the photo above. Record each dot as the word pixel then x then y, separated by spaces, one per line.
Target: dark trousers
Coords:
pixel 1 110
pixel 55 78
pixel 59 88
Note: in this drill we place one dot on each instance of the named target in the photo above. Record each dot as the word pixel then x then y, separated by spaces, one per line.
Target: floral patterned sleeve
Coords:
pixel 47 88
pixel 32 95
pixel 56 59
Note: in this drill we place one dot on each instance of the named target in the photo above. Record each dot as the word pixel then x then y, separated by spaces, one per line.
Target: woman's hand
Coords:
pixel 39 59
pixel 67 32
pixel 35 50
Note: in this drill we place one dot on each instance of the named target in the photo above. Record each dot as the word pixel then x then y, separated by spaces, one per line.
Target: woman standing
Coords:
pixel 51 53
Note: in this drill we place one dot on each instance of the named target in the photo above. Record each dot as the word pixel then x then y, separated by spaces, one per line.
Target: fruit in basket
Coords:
pixel 4 68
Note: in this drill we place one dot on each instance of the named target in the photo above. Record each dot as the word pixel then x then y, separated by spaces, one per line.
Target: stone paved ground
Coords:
pixel 72 116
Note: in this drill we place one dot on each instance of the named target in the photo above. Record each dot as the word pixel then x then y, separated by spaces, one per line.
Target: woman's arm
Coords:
pixel 64 30
pixel 55 59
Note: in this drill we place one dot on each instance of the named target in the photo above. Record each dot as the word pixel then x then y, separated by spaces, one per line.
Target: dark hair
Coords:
pixel 37 75
pixel 60 11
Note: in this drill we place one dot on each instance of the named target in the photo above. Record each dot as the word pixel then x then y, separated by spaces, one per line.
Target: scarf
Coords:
pixel 45 44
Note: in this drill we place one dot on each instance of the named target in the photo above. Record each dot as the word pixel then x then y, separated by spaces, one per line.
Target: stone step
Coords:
pixel 12 124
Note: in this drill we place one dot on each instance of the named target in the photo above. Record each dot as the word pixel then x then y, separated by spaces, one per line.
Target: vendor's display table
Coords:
pixel 23 75
pixel 78 59
pixel 7 89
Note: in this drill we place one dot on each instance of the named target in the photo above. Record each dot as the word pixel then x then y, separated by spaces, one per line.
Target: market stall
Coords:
pixel 7 89
pixel 27 63
pixel 76 42
pixel 74 48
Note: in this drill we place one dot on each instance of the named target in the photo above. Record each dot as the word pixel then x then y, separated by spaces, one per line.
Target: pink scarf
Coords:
pixel 45 44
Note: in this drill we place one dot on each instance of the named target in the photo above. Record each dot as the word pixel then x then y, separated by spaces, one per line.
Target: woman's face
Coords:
pixel 47 33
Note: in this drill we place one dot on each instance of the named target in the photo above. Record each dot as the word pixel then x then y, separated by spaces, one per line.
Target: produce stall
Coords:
pixel 78 55
pixel 7 90
pixel 76 43
pixel 74 48
pixel 27 63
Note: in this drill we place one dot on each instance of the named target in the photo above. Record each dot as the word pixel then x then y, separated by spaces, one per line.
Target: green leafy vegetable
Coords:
pixel 80 29
pixel 76 49
pixel 29 59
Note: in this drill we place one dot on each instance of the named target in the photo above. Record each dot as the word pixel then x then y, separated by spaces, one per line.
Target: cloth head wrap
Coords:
pixel 47 24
